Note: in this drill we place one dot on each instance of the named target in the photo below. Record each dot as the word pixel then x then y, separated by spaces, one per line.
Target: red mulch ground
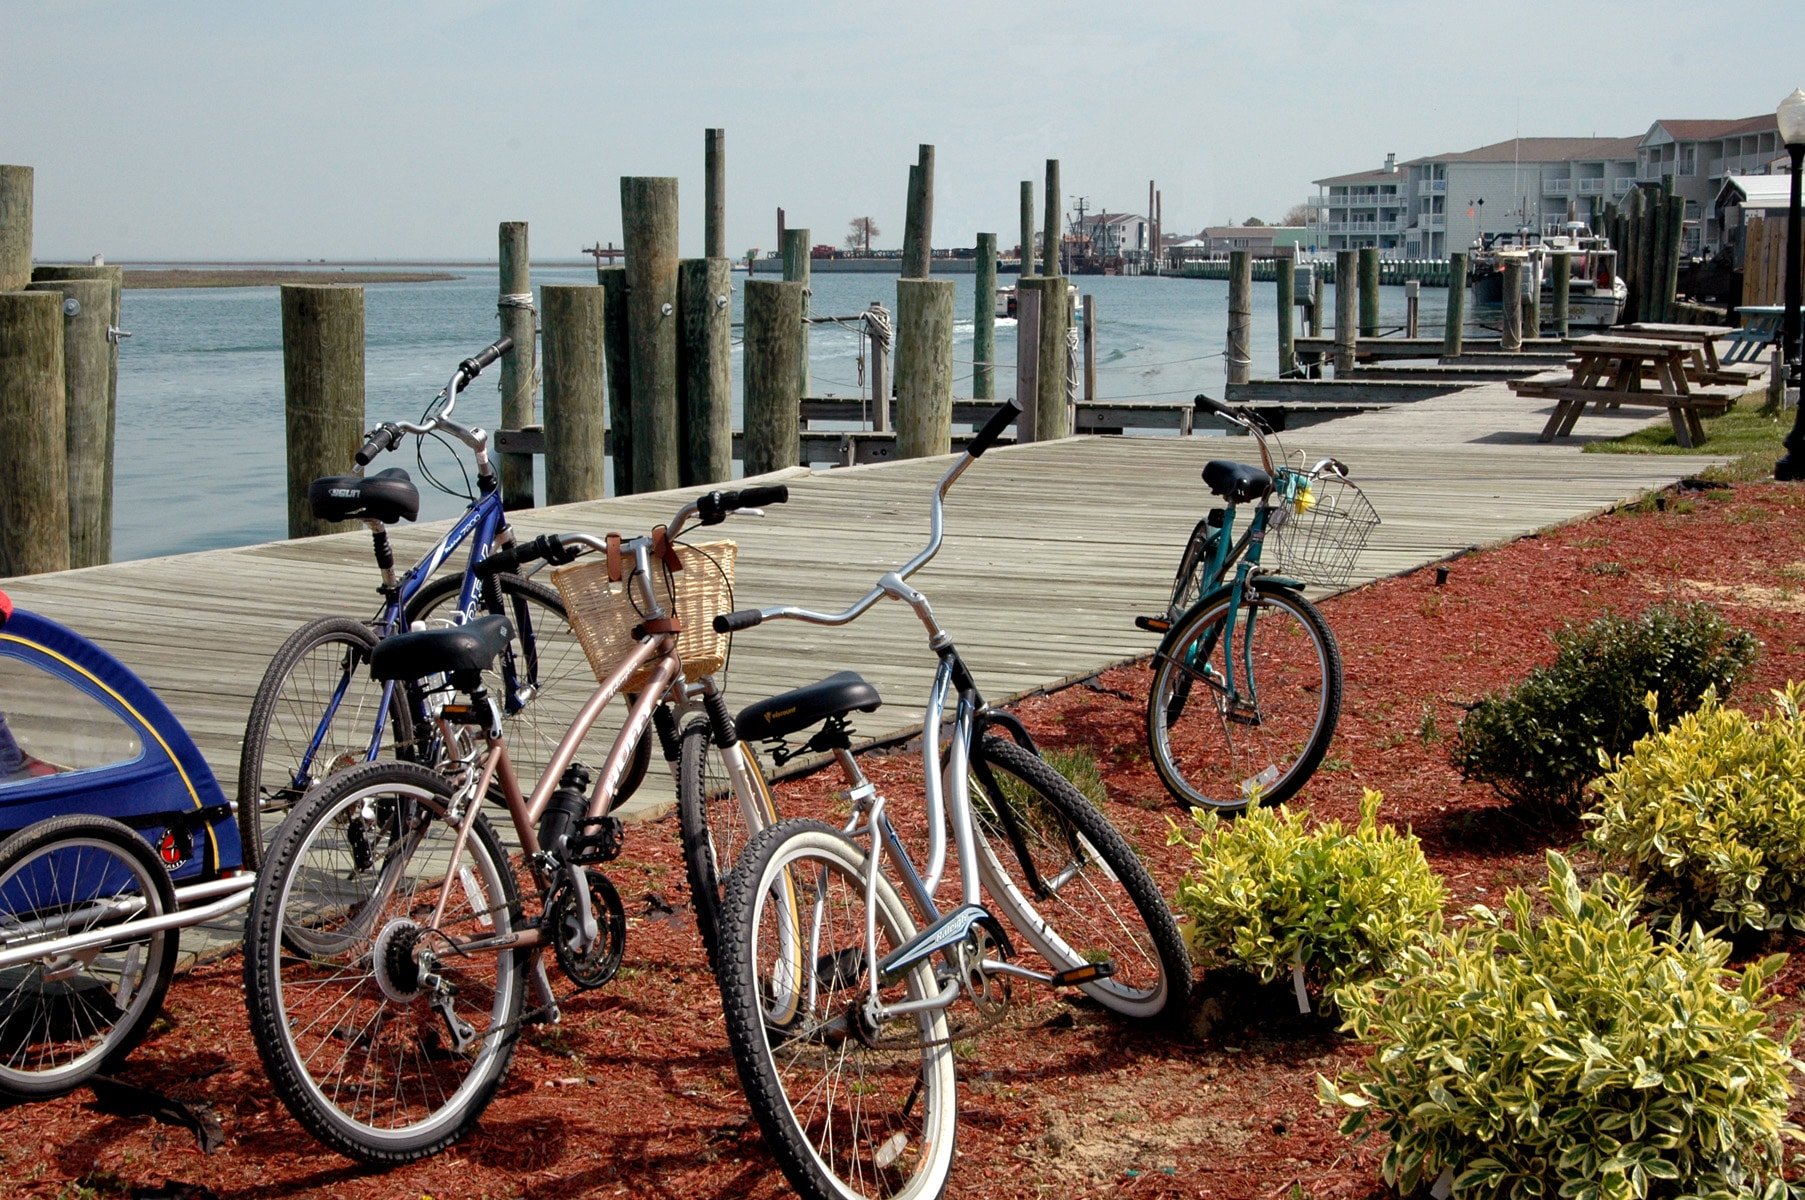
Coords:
pixel 635 1093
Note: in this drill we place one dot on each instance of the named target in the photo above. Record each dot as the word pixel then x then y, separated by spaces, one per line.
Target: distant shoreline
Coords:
pixel 213 277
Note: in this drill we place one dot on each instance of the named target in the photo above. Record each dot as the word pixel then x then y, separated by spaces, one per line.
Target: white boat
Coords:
pixel 1596 294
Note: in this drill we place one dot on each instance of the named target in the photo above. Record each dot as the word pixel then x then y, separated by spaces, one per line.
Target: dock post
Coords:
pixel 705 369
pixel 519 321
pixel 1629 255
pixel 1413 298
pixel 34 472
pixel 921 217
pixel 1090 349
pixel 15 227
pixel 1316 313
pixel 774 310
pixel 1285 285
pixel 89 363
pixel 1369 291
pixel 1510 336
pixel 1532 300
pixel 648 211
pixel 617 349
pixel 1026 266
pixel 924 367
pixel 714 218
pixel 1346 304
pixel 1563 284
pixel 984 321
pixel 1238 352
pixel 94 440
pixel 879 331
pixel 796 247
pixel 1454 331
pixel 1050 234
pixel 575 424
pixel 1670 258
pixel 323 391
pixel 1053 315
pixel 1027 357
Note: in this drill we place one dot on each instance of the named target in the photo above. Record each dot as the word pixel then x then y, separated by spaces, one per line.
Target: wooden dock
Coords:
pixel 1051 551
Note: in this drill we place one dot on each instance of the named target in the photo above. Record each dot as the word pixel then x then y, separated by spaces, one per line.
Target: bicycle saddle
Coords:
pixel 1236 482
pixel 840 693
pixel 457 649
pixel 387 496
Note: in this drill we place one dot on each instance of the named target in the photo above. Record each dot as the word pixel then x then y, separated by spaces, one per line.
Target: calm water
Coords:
pixel 200 428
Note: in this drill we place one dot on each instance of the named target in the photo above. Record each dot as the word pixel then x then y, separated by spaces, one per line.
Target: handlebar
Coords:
pixel 891 583
pixel 387 436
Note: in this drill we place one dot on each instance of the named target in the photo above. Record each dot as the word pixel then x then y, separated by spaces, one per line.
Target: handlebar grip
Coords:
pixel 383 437
pixel 505 561
pixel 713 507
pixel 993 428
pixel 733 622
pixel 471 367
pixel 1215 406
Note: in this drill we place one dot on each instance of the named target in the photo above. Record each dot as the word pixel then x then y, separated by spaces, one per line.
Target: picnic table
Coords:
pixel 1703 365
pixel 1760 329
pixel 1610 370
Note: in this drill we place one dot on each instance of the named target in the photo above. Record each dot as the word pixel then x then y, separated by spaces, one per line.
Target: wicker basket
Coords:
pixel 604 613
pixel 1321 543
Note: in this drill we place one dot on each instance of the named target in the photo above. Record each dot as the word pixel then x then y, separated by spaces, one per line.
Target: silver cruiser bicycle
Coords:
pixel 844 977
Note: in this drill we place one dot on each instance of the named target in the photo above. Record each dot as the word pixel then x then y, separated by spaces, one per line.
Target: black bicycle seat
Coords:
pixel 469 647
pixel 840 693
pixel 1236 482
pixel 387 496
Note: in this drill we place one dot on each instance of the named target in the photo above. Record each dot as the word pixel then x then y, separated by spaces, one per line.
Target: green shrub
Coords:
pixel 1267 893
pixel 1573 1054
pixel 1709 816
pixel 1539 742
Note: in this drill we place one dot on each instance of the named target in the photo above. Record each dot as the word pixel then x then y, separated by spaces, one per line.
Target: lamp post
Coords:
pixel 1791 115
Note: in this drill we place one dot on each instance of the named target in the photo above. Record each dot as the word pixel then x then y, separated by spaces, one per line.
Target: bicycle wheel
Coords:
pixel 714 821
pixel 1188 584
pixel 1071 885
pixel 551 678
pixel 316 711
pixel 384 1055
pixel 849 1111
pixel 66 1017
pixel 1217 748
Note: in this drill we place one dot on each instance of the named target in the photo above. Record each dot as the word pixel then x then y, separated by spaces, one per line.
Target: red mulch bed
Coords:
pixel 635 1093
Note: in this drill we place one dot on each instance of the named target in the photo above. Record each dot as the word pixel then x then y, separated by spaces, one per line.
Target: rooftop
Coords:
pixel 1704 131
pixel 1544 149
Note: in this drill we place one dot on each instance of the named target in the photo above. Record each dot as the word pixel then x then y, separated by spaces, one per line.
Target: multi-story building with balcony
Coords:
pixel 1535 182
pixel 1363 209
pixel 1698 155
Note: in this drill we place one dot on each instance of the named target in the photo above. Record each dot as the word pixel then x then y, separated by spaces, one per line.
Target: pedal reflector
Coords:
pixel 1088 973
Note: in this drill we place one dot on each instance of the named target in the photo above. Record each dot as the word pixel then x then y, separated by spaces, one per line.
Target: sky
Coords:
pixel 272 130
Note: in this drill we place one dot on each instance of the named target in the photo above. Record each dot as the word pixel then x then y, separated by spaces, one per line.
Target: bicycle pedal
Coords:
pixel 1087 973
pixel 595 840
pixel 1243 715
pixel 545 1014
pixel 1152 624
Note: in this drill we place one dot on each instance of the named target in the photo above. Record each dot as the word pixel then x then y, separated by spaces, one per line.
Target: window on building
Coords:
pixel 1689 159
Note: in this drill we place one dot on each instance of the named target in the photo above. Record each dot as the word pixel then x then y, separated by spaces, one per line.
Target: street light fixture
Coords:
pixel 1791 116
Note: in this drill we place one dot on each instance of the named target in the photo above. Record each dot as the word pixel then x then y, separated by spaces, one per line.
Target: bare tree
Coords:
pixel 1299 214
pixel 863 230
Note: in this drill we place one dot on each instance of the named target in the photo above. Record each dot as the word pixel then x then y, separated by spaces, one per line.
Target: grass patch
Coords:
pixel 1081 767
pixel 1748 434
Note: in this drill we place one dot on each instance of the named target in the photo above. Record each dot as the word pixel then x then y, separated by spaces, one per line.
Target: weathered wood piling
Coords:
pixel 323 390
pixel 773 330
pixel 1453 331
pixel 648 209
pixel 984 320
pixel 1238 350
pixel 1563 286
pixel 1369 291
pixel 924 373
pixel 34 479
pixel 1026 266
pixel 1286 288
pixel 617 349
pixel 1050 230
pixel 796 247
pixel 15 227
pixel 1346 308
pixel 575 420
pixel 1050 416
pixel 90 365
pixel 1510 333
pixel 705 361
pixel 714 169
pixel 514 304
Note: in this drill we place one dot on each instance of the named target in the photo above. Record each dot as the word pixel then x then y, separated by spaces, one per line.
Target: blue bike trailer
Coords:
pixel 80 733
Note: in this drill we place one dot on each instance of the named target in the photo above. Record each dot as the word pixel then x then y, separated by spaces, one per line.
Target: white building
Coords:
pixel 1700 155
pixel 1115 235
pixel 1366 208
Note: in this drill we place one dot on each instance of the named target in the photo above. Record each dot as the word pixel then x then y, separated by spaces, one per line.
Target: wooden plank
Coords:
pixel 1312 390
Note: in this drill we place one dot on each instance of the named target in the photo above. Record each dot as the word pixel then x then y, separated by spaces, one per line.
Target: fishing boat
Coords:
pixel 1595 292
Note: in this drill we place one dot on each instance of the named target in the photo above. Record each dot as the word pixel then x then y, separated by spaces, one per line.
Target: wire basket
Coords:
pixel 1317 535
pixel 605 614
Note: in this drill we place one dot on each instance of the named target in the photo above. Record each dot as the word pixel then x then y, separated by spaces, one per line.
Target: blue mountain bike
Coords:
pixel 318 710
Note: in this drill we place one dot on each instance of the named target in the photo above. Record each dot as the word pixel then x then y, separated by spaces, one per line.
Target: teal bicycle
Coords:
pixel 1247 678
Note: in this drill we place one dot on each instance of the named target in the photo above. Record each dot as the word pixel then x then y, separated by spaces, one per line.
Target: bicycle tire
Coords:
pixel 825 1152
pixel 62 1020
pixel 1188 584
pixel 398 1092
pixel 296 693
pixel 1088 895
pixel 712 823
pixel 1271 743
pixel 559 671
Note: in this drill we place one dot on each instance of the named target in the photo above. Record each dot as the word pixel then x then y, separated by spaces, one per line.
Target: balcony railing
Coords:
pixel 1431 187
pixel 1620 186
pixel 1590 187
pixel 1556 187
